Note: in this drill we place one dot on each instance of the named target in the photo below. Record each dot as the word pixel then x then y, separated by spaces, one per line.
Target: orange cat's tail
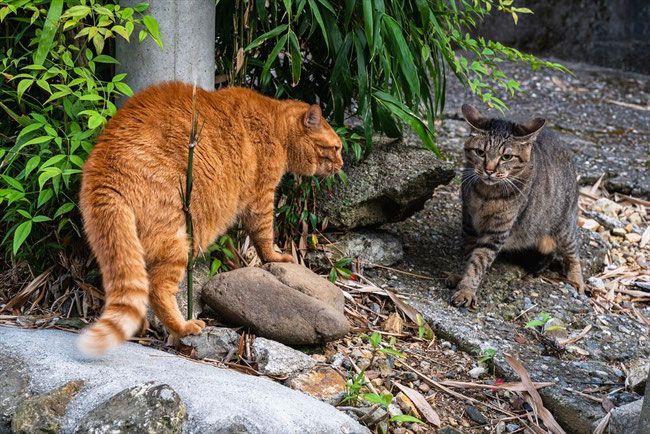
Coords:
pixel 111 229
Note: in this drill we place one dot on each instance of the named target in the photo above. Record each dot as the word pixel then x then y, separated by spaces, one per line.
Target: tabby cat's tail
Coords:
pixel 111 230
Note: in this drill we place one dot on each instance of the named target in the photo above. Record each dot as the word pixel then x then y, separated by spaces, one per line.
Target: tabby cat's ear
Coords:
pixel 312 119
pixel 474 118
pixel 527 132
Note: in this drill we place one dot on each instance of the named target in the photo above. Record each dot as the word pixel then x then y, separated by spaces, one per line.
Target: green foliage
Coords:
pixel 488 354
pixel 57 87
pixel 384 62
pixel 542 319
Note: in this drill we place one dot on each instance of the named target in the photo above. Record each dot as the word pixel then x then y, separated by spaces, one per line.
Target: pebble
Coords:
pixel 477 372
pixel 607 207
pixel 596 282
pixel 512 427
pixel 619 232
pixel 475 415
pixel 590 224
pixel 633 238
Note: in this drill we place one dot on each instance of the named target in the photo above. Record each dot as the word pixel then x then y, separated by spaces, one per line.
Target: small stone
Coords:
pixel 607 207
pixel 322 383
pixel 500 428
pixel 274 358
pixel 148 408
pixel 213 342
pixel 477 372
pixel 633 238
pixel 475 415
pixel 635 218
pixel 337 360
pixel 406 405
pixel 590 224
pixel 445 344
pixel 637 376
pixel 619 232
pixel 512 427
pixel 449 430
pixel 385 367
pixel 378 413
pixel 596 282
pixel 424 387
pixel 43 413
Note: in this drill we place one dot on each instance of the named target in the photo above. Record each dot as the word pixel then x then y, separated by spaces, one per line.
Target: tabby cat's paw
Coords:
pixel 193 327
pixel 277 257
pixel 464 298
pixel 452 280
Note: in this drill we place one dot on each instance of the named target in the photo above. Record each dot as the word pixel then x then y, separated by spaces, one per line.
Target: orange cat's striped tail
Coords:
pixel 111 229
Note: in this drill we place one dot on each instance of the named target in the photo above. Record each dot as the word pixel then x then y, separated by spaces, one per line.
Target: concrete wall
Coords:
pixel 612 33
pixel 187 28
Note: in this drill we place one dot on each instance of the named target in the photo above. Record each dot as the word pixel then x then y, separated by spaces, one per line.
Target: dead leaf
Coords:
pixel 240 60
pixel 19 299
pixel 421 403
pixel 394 324
pixel 409 311
pixel 645 238
pixel 600 429
pixel 520 340
pixel 535 400
pixel 513 387
pixel 582 334
pixel 607 404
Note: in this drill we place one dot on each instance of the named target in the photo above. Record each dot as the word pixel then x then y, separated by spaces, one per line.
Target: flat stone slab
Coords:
pixel 217 400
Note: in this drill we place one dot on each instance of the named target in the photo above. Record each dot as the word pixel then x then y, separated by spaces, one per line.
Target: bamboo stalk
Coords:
pixel 186 196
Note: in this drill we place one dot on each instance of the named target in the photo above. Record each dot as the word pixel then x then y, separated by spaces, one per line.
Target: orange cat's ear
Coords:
pixel 312 119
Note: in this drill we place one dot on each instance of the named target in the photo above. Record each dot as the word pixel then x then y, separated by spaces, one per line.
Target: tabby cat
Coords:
pixel 519 194
pixel 130 201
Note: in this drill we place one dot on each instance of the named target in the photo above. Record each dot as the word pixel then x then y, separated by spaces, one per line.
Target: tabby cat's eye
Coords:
pixel 506 157
pixel 479 152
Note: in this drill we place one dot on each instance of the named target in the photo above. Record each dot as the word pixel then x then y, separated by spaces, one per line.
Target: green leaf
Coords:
pixel 405 418
pixel 44 196
pixel 41 218
pixel 22 232
pixel 273 56
pixel 23 85
pixel 319 20
pixel 368 24
pixel 12 182
pixel 296 58
pixel 270 34
pixel 103 58
pixel 375 339
pixel 392 352
pixel 47 34
pixel 124 88
pixel 66 207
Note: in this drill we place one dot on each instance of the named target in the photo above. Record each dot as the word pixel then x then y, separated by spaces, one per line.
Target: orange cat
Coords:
pixel 130 199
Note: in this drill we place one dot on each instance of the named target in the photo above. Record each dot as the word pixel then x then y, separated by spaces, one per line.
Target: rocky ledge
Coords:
pixel 137 389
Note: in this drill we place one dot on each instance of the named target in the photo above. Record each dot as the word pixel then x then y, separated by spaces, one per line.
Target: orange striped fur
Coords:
pixel 130 198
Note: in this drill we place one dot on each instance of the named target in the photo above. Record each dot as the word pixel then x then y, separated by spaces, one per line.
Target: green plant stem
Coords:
pixel 190 232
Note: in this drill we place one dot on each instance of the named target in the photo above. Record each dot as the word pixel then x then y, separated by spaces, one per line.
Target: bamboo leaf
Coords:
pixel 49 30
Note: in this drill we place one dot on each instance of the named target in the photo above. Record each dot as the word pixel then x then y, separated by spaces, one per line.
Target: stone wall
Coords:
pixel 609 33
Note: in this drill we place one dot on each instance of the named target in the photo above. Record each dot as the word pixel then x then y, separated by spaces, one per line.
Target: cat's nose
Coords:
pixel 489 171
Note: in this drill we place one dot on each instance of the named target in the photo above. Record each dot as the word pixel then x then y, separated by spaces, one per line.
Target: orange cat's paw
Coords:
pixel 193 327
pixel 277 257
pixel 452 280
pixel 464 298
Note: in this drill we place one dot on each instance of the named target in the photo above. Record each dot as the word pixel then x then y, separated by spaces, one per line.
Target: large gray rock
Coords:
pixel 389 186
pixel 148 408
pixel 14 388
pixel 217 400
pixel 274 358
pixel 625 419
pixel 306 281
pixel 255 298
pixel 213 342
